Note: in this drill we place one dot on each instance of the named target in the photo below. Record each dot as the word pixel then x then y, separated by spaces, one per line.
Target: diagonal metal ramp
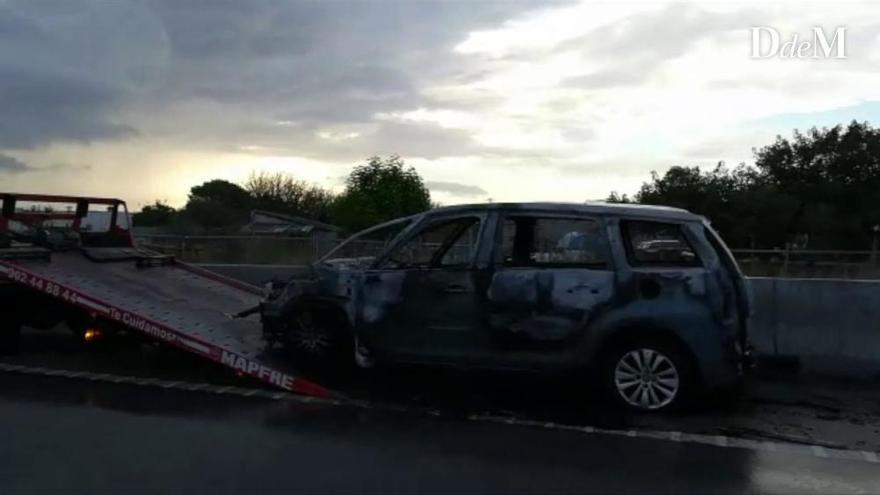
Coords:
pixel 175 303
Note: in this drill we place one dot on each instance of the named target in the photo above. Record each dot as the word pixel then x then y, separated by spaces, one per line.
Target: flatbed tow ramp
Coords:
pixel 117 285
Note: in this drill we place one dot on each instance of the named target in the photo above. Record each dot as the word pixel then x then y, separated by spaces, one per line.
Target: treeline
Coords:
pixel 378 190
pixel 818 190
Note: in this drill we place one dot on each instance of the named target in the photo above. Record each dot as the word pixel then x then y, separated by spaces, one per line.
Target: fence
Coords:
pixel 268 250
pixel 798 263
pixel 239 249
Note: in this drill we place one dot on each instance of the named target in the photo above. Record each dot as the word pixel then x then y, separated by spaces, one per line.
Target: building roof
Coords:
pixel 270 222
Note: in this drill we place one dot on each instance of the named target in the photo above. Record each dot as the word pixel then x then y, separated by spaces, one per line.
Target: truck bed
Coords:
pixel 174 303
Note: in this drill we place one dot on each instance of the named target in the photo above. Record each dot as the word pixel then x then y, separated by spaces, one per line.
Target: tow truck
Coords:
pixel 74 259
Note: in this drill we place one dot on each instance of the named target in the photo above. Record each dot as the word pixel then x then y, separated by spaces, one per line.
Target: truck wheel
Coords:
pixel 649 375
pixel 319 337
pixel 10 337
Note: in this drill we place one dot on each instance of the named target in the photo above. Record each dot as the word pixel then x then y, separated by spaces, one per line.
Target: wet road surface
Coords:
pixel 833 415
pixel 72 436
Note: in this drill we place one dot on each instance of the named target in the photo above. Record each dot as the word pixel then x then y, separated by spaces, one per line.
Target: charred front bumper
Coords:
pixel 276 308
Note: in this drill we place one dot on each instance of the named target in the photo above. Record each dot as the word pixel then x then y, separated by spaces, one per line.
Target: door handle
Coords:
pixel 455 289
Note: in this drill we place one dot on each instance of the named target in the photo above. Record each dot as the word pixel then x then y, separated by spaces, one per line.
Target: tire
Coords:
pixel 78 322
pixel 10 337
pixel 649 375
pixel 319 337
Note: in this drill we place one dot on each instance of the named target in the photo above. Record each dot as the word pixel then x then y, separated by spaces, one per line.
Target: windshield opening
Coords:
pixel 368 243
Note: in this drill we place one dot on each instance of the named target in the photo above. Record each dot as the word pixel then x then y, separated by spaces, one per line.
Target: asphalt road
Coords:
pixel 67 436
pixel 832 415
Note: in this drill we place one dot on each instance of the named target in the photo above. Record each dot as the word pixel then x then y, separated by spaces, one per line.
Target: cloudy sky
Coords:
pixel 509 100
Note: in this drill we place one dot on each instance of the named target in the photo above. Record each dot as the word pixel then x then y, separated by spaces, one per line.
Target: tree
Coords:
pixel 834 174
pixel 282 193
pixel 616 197
pixel 380 190
pixel 221 191
pixel 154 215
pixel 217 204
pixel 819 189
pixel 745 209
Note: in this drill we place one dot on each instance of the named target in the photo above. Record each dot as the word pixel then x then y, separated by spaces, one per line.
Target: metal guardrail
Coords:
pixel 808 263
pixel 238 248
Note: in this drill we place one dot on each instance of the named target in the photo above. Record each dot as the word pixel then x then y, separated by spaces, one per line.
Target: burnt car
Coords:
pixel 646 299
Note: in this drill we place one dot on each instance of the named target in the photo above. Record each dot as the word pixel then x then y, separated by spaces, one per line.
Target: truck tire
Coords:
pixel 10 337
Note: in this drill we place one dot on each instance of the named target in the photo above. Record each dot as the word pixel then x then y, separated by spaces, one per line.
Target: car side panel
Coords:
pixel 546 305
pixel 677 301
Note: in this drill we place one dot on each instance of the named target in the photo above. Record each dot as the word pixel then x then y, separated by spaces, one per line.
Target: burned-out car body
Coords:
pixel 620 291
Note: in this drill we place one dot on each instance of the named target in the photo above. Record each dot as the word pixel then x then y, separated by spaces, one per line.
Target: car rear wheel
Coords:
pixel 649 376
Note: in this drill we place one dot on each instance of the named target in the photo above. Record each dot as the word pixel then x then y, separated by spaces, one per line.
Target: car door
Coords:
pixel 421 301
pixel 553 275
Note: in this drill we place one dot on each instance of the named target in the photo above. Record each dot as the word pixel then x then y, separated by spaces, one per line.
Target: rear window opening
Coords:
pixel 657 244
pixel 553 242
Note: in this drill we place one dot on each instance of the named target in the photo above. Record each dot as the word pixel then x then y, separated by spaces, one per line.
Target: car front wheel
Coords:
pixel 319 337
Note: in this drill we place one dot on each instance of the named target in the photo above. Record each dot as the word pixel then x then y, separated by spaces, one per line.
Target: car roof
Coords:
pixel 588 208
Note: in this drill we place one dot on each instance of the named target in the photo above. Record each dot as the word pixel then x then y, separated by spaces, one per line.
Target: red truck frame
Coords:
pixel 105 280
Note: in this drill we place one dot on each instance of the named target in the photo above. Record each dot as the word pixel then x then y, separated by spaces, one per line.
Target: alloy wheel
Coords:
pixel 646 379
pixel 310 337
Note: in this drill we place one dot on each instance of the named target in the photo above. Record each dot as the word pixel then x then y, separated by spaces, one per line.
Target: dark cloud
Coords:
pixel 319 66
pixel 456 188
pixel 221 73
pixel 10 164
pixel 343 55
pixel 66 68
pixel 324 65
pixel 39 108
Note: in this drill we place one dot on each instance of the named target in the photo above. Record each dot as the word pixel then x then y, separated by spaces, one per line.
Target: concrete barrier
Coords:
pixel 829 326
